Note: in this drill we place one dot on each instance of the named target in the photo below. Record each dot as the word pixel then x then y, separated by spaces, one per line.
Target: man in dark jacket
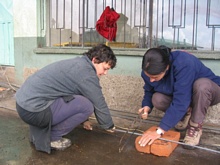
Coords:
pixel 62 95
pixel 174 83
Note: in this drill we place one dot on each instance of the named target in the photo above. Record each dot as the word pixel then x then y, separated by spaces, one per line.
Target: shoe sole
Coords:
pixel 188 147
pixel 60 149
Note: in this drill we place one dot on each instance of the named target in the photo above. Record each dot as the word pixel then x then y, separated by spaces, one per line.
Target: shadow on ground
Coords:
pixel 89 148
pixel 95 147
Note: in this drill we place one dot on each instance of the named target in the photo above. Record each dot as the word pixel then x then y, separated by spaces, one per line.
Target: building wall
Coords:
pixel 123 87
pixel 6 33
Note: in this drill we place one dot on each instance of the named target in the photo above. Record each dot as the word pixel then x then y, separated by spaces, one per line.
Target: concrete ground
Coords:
pixel 95 147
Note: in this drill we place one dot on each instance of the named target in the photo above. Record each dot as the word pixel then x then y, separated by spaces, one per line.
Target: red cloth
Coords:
pixel 106 25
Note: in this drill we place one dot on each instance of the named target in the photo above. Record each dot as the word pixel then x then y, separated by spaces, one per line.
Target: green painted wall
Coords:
pixel 129 62
pixel 214 65
pixel 6 33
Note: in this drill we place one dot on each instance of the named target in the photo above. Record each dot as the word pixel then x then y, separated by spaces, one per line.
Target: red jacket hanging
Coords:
pixel 106 25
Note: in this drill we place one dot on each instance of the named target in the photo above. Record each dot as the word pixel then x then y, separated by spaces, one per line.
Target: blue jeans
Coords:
pixel 68 115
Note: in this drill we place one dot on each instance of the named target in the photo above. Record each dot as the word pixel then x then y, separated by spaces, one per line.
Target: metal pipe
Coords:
pixel 154 119
pixel 172 141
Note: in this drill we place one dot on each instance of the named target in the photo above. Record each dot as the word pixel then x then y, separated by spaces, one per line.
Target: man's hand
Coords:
pixel 148 138
pixel 87 125
pixel 143 112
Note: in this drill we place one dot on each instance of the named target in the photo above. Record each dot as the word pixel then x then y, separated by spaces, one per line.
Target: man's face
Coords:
pixel 157 77
pixel 101 68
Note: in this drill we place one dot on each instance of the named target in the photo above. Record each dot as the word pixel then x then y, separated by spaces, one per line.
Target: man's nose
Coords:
pixel 105 72
pixel 152 79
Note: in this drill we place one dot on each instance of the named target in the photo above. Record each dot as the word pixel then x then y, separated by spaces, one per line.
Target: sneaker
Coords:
pixel 193 134
pixel 182 124
pixel 61 144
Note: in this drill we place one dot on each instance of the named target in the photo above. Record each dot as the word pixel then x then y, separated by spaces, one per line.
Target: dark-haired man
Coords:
pixel 62 95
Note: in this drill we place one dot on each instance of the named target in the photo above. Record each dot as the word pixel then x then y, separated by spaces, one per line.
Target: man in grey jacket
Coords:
pixel 62 95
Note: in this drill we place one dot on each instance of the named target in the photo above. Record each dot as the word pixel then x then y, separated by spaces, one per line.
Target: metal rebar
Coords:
pixel 137 120
pixel 154 120
pixel 172 141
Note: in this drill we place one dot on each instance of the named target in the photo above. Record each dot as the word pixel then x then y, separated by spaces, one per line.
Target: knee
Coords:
pixel 156 100
pixel 202 84
pixel 85 104
pixel 89 106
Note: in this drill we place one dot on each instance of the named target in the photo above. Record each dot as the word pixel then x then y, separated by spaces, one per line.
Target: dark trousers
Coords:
pixel 67 115
pixel 205 93
pixel 40 127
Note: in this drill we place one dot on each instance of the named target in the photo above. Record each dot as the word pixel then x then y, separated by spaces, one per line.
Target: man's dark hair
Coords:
pixel 102 53
pixel 156 60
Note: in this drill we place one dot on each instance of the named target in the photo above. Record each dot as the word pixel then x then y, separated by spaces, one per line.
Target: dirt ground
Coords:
pixel 95 147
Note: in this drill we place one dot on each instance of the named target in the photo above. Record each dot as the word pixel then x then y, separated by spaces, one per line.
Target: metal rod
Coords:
pixel 172 141
pixel 153 119
pixel 137 120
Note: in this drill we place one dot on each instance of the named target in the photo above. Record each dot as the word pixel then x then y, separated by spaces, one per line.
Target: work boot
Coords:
pixel 193 134
pixel 182 124
pixel 61 144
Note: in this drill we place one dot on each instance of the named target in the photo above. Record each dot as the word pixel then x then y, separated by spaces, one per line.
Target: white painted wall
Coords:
pixel 25 18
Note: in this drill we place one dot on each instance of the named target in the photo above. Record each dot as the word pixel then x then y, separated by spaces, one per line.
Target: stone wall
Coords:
pixel 7 75
pixel 122 93
pixel 125 93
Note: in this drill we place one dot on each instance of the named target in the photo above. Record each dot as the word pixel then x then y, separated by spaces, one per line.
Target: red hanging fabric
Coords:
pixel 106 26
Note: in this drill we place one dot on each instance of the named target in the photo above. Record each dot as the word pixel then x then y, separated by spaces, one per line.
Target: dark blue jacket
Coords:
pixel 177 82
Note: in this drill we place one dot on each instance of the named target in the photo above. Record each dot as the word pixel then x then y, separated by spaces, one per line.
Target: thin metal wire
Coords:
pixel 132 127
pixel 133 132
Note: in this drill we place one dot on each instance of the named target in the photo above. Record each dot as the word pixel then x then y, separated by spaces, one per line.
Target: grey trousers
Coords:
pixel 63 115
pixel 205 93
pixel 66 115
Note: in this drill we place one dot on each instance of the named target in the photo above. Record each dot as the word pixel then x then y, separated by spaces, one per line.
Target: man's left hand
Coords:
pixel 148 138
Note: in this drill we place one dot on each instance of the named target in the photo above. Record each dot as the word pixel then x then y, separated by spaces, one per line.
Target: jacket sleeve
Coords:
pixel 184 76
pixel 148 92
pixel 91 89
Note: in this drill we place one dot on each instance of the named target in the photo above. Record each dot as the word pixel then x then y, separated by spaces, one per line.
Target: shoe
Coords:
pixel 182 124
pixel 61 144
pixel 193 134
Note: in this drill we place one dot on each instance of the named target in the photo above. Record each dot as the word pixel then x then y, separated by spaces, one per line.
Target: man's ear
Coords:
pixel 94 60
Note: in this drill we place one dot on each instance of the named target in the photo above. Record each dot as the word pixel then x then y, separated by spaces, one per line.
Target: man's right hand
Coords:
pixel 143 112
pixel 87 125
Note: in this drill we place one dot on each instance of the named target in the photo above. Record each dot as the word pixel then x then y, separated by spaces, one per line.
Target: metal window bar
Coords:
pixel 209 24
pixel 145 23
pixel 42 14
pixel 171 19
pixel 195 24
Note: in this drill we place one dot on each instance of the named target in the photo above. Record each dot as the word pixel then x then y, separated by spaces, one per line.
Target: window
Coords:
pixel 179 24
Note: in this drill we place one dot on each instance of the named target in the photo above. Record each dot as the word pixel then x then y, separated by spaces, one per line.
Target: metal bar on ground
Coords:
pixel 172 141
